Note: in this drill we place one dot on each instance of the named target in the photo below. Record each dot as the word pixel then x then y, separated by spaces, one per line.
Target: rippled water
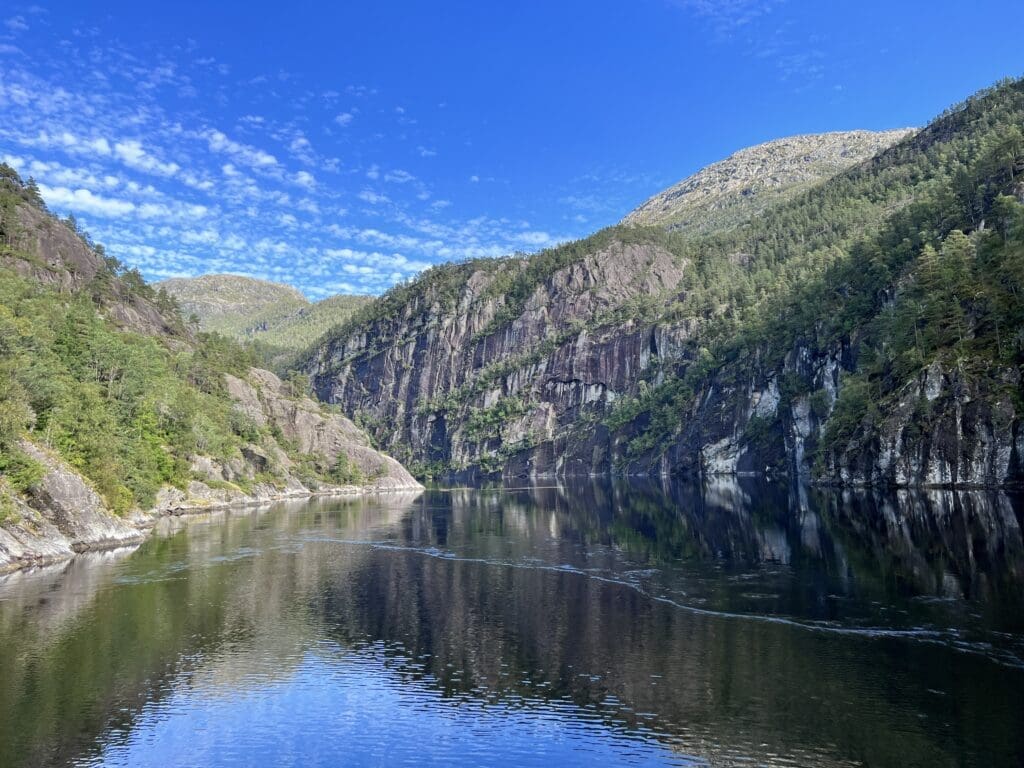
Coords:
pixel 579 625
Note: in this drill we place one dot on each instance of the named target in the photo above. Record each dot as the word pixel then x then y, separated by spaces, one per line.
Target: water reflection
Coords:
pixel 617 623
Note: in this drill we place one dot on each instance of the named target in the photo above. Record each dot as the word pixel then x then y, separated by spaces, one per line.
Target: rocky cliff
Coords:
pixel 467 374
pixel 53 254
pixel 641 351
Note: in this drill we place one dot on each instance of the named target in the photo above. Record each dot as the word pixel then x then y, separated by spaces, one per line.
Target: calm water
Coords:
pixel 591 625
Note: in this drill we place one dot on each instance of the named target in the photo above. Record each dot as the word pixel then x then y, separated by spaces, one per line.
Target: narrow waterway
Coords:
pixel 595 624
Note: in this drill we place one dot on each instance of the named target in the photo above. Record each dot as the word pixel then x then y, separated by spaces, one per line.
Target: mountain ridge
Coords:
pixel 757 346
pixel 276 316
pixel 730 191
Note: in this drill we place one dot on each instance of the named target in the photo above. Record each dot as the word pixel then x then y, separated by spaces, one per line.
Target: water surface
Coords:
pixel 630 624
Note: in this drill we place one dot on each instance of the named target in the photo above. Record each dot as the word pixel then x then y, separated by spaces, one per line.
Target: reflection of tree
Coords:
pixel 757 686
pixel 245 595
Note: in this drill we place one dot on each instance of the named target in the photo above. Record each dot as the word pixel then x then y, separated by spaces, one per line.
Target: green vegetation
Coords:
pixel 125 409
pixel 345 472
pixel 121 408
pixel 487 422
pixel 879 251
pixel 276 319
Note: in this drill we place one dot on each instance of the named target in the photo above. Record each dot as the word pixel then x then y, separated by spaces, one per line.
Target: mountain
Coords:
pixel 224 303
pixel 866 329
pixel 114 411
pixel 278 317
pixel 731 191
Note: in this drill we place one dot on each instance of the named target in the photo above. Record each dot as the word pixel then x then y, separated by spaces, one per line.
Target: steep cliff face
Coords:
pixel 942 428
pixel 945 427
pixel 460 373
pixel 640 351
pixel 47 251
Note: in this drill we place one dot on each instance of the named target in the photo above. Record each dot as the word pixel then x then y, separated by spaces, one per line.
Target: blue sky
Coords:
pixel 343 147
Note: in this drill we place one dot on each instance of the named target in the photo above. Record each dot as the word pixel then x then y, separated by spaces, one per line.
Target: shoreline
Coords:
pixel 141 523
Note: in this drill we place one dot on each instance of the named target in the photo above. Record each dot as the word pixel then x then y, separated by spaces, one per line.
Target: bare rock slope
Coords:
pixel 733 190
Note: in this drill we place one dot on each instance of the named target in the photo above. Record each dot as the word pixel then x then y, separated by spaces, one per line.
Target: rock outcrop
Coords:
pixel 455 380
pixel 530 367
pixel 49 252
pixel 305 423
pixel 63 515
pixel 731 191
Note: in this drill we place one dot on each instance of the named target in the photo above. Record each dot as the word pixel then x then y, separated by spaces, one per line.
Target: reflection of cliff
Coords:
pixel 757 686
pixel 957 544
pixel 503 596
pixel 857 543
pixel 41 602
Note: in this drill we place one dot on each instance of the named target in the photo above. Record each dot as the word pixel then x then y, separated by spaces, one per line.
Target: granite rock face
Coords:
pixel 305 423
pixel 468 389
pixel 62 515
pixel 462 380
pixel 61 260
pixel 733 190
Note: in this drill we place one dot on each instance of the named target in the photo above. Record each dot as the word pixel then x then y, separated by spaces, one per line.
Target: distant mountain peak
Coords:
pixel 212 296
pixel 249 309
pixel 732 190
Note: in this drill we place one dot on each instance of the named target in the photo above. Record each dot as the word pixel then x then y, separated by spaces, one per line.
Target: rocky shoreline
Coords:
pixel 63 515
pixel 39 539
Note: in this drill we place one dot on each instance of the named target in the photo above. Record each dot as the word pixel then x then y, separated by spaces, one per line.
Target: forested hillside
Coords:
pixel 100 377
pixel 866 330
pixel 277 319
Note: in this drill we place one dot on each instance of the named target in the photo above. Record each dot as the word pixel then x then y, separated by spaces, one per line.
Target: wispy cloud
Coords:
pixel 243 182
pixel 728 16
pixel 761 31
pixel 16 24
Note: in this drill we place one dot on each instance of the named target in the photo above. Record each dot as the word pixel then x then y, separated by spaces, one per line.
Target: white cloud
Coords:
pixel 159 187
pixel 84 201
pixel 727 16
pixel 100 146
pixel 398 176
pixel 132 154
pixel 243 153
pixel 373 198
pixel 542 239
